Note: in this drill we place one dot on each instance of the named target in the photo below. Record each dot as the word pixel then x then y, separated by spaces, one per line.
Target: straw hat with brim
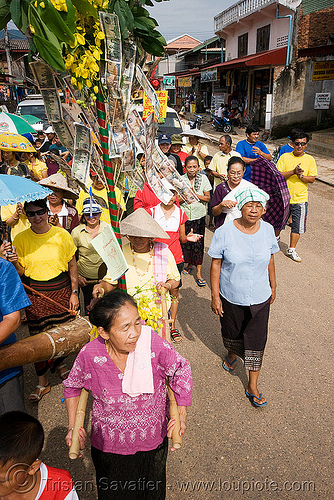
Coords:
pixel 141 224
pixel 177 139
pixel 58 181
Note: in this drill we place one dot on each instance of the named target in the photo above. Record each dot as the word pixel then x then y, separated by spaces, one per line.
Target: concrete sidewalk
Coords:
pixel 325 164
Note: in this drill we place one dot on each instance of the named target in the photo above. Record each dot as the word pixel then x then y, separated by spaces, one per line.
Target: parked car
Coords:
pixel 172 124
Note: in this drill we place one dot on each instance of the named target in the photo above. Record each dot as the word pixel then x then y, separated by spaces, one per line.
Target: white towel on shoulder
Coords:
pixel 138 375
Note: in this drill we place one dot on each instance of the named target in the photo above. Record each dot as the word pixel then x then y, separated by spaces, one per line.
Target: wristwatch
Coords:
pixel 75 291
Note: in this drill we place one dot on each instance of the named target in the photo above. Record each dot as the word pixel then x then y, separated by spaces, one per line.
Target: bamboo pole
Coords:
pixel 79 422
pixel 173 408
pixel 61 340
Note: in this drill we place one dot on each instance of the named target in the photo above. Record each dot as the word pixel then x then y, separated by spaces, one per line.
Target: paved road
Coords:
pixel 279 452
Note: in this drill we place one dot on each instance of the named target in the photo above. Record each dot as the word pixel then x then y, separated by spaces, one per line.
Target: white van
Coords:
pixel 32 105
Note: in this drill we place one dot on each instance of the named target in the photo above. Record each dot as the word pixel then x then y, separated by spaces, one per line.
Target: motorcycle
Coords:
pixel 196 123
pixel 221 124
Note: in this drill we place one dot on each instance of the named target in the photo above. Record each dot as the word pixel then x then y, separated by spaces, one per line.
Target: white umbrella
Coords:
pixel 196 132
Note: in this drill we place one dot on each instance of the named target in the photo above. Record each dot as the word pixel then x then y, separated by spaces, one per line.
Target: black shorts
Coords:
pixel 180 269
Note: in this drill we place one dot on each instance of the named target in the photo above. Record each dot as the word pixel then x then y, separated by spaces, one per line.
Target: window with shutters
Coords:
pixel 262 38
pixel 243 45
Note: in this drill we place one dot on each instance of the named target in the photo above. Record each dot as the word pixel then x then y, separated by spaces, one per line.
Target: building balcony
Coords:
pixel 245 8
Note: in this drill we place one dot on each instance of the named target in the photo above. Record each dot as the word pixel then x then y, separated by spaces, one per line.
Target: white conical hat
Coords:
pixel 141 224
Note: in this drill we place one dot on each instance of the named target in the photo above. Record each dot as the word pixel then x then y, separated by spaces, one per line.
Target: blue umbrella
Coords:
pixel 15 189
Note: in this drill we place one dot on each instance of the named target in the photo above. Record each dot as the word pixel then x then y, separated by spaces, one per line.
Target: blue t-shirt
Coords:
pixel 244 278
pixel 12 298
pixel 285 149
pixel 246 150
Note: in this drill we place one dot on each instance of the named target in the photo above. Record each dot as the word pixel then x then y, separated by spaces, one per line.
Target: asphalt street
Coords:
pixel 232 450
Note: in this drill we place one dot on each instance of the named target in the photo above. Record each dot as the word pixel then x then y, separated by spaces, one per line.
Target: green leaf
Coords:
pixel 15 10
pixel 5 15
pixel 84 7
pixel 41 28
pixel 153 47
pixel 55 22
pixel 49 53
pixel 146 22
pixel 70 16
pixel 125 17
pixel 24 20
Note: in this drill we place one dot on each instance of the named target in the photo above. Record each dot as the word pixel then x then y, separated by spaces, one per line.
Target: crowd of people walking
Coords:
pixel 47 247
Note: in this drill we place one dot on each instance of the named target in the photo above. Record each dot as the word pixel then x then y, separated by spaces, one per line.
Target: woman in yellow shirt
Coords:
pixel 45 256
pixel 100 194
pixel 38 168
pixel 91 267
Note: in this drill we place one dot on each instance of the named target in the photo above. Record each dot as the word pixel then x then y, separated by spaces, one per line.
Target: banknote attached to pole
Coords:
pixel 107 247
pixel 148 89
pixel 152 175
pixel 82 152
pixel 113 52
pixel 45 78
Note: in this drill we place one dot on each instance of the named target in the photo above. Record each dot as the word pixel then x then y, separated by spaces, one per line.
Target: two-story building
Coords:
pixel 258 36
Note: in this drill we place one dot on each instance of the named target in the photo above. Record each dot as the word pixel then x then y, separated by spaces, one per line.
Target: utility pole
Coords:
pixel 8 54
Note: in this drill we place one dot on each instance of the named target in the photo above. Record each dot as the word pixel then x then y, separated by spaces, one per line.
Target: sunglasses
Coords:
pixel 300 144
pixel 31 213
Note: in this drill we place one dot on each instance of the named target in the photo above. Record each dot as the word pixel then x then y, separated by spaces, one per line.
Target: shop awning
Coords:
pixel 274 57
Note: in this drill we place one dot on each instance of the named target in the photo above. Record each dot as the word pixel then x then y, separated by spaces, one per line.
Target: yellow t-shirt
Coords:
pixel 144 264
pixel 89 260
pixel 102 193
pixel 298 189
pixel 44 256
pixel 204 150
pixel 38 168
pixel 21 225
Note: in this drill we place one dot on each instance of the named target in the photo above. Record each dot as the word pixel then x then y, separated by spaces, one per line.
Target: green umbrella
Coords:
pixel 31 119
pixel 14 124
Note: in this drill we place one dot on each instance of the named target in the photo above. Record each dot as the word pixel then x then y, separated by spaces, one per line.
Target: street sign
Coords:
pixel 323 70
pixel 169 82
pixel 322 100
pixel 209 75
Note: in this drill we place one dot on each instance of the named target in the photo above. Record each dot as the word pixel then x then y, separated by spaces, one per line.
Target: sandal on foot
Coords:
pixel 41 391
pixel 185 271
pixel 200 281
pixel 175 335
pixel 63 371
pixel 252 398
pixel 231 363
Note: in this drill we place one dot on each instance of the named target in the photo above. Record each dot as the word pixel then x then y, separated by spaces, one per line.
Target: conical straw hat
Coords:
pixel 58 181
pixel 140 223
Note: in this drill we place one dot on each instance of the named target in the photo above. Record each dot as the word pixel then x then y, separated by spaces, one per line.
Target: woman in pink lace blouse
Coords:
pixel 125 368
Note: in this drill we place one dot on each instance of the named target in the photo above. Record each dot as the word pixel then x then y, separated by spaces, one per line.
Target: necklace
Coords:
pixel 140 273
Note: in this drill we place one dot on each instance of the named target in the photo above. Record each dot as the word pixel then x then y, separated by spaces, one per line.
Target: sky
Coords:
pixel 194 17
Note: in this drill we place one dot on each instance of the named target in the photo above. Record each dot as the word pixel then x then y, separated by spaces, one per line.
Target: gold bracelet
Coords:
pixel 182 413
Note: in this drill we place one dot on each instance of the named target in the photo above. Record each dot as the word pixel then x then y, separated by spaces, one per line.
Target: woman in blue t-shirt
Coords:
pixel 243 285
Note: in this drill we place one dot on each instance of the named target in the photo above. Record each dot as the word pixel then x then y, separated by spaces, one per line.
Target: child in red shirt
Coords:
pixel 172 220
pixel 22 474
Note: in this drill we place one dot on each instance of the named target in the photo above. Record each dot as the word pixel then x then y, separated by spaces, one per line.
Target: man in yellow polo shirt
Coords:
pixel 299 170
pixel 220 160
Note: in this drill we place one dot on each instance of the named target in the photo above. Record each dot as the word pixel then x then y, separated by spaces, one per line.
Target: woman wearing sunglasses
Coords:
pixel 45 256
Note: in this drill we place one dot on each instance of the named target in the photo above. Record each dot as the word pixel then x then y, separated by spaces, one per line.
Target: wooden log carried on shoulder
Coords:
pixel 59 341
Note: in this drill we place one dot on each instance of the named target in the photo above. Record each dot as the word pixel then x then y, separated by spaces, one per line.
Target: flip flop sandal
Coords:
pixel 37 396
pixel 175 336
pixel 185 271
pixel 200 281
pixel 251 398
pixel 230 363
pixel 65 371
